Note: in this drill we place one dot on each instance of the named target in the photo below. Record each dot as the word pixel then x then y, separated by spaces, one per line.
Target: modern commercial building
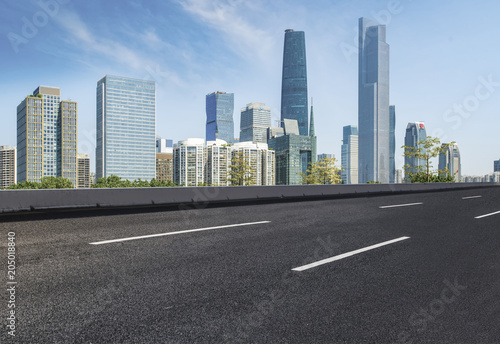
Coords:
pixel 312 135
pixel 325 156
pixel 46 136
pixel 294 80
pixel 126 125
pixel 392 144
pixel 165 167
pixel 399 177
pixel 8 169
pixel 218 156
pixel 255 119
pixel 189 162
pixel 164 145
pixel 373 103
pixel 451 160
pixel 496 166
pixel 349 158
pixel 83 171
pixel 261 160
pixel 415 132
pixel 220 124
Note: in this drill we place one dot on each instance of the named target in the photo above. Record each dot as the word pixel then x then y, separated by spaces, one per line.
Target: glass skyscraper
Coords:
pixel 255 119
pixel 220 124
pixel 350 155
pixel 294 80
pixel 373 103
pixel 126 125
pixel 392 144
pixel 415 132
pixel 450 159
pixel 496 166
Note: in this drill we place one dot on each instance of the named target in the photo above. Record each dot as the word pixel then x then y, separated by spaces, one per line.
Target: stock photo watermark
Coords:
pixel 30 27
pixel 420 319
pixel 11 284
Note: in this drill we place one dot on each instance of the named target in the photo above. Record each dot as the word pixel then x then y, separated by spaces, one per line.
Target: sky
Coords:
pixel 444 62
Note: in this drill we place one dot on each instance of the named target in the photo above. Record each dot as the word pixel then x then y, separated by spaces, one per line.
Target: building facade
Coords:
pixel 189 162
pixel 261 160
pixel 293 154
pixel 220 123
pixel 46 136
pixel 496 166
pixel 325 156
pixel 451 160
pixel 164 145
pixel 217 161
pixel 349 158
pixel 8 166
pixel 255 119
pixel 165 167
pixel 126 125
pixel 83 171
pixel 373 103
pixel 415 132
pixel 294 80
pixel 392 144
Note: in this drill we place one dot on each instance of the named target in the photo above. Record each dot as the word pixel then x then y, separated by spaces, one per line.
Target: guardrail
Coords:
pixel 31 200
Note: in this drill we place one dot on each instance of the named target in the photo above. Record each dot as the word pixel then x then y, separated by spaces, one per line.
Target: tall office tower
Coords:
pixel 450 159
pixel 260 159
pixel 8 170
pixel 217 162
pixel 325 156
pixel 373 103
pixel 294 80
pixel 496 166
pixel 255 119
pixel 415 132
pixel 83 171
pixel 392 144
pixel 350 155
pixel 189 162
pixel 314 139
pixel 46 136
pixel 126 124
pixel 290 149
pixel 220 125
pixel 164 145
pixel 165 167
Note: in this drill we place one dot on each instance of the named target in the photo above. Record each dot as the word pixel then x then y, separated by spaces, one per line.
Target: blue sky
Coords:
pixel 445 68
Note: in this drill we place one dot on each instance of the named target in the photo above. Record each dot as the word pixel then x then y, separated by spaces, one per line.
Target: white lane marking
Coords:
pixel 175 233
pixel 491 214
pixel 348 254
pixel 471 197
pixel 400 205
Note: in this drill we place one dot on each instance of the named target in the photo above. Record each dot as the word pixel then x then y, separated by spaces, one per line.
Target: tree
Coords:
pixel 45 183
pixel 323 171
pixel 425 150
pixel 240 171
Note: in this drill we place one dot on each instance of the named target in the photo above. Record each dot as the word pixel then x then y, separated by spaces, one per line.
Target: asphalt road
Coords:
pixel 439 283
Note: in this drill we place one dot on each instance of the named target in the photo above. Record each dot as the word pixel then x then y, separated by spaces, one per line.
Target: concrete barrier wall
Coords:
pixel 29 200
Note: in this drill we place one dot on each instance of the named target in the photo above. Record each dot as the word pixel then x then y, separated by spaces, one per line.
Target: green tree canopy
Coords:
pixel 323 171
pixel 45 183
pixel 240 171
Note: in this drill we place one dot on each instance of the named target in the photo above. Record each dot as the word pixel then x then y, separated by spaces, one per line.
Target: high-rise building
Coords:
pixel 392 144
pixel 314 139
pixel 189 162
pixel 46 136
pixel 83 171
pixel 220 124
pixel 217 162
pixel 255 119
pixel 8 169
pixel 399 177
pixel 261 160
pixel 373 103
pixel 350 155
pixel 165 167
pixel 450 160
pixel 415 132
pixel 126 124
pixel 294 80
pixel 325 156
pixel 496 166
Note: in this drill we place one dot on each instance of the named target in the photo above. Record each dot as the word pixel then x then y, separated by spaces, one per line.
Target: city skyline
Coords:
pixel 203 47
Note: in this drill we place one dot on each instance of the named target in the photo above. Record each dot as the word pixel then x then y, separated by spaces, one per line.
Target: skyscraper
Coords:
pixel 294 80
pixel 220 108
pixel 46 136
pixel 350 155
pixel 415 132
pixel 8 170
pixel 314 139
pixel 496 166
pixel 373 103
pixel 83 171
pixel 392 144
pixel 126 125
pixel 189 162
pixel 255 119
pixel 451 160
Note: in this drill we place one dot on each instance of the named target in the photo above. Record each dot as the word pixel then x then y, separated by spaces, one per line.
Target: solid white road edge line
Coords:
pixel 348 254
pixel 399 205
pixel 175 233
pixel 491 214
